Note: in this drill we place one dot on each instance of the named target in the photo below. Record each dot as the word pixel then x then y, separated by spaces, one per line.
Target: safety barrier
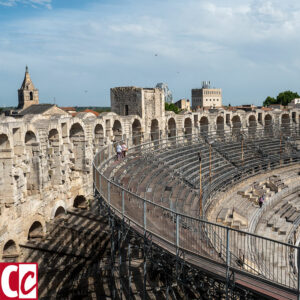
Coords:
pixel 203 242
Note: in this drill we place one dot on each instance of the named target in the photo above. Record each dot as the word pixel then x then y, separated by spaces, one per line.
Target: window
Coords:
pixel 31 96
pixel 126 110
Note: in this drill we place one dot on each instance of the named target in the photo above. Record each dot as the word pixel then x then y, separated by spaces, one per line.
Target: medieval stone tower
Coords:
pixel 27 94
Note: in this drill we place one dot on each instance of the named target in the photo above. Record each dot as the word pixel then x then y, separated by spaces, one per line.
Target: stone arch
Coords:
pixel 54 169
pixel 220 126
pixel 58 204
pixel 252 126
pixel 136 132
pixel 171 127
pixel 98 136
pixel 188 126
pixel 154 130
pixel 236 125
pixel 4 142
pixel 117 131
pixel 204 125
pixel 268 128
pixel 60 212
pixel 10 251
pixel 77 138
pixel 80 202
pixel 285 124
pixel 33 176
pixel 35 231
pixel 6 166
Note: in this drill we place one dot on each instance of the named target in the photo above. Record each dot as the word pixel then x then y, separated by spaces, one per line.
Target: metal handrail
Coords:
pixel 178 215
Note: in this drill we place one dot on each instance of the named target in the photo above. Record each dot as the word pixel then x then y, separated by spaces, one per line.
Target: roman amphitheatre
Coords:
pixel 177 218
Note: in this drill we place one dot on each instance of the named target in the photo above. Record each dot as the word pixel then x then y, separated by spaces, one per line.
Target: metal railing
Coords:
pixel 225 247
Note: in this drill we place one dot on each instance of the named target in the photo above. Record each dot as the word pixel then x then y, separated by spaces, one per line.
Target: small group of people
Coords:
pixel 121 150
pixel 261 200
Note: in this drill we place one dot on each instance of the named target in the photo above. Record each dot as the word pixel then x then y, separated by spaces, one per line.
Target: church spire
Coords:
pixel 28 94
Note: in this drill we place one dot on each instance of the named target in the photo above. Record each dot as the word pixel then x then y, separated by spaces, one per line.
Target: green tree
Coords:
pixel 269 100
pixel 283 98
pixel 172 107
pixel 286 97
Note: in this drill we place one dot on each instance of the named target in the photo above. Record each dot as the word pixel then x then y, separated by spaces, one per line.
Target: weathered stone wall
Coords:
pixel 46 161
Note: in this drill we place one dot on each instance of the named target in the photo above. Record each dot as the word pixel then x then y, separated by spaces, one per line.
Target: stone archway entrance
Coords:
pixel 136 132
pixel 171 128
pixel 220 126
pixel 252 127
pixel 236 125
pixel 117 131
pixel 10 252
pixel 80 202
pixel 154 130
pixel 204 126
pixel 35 231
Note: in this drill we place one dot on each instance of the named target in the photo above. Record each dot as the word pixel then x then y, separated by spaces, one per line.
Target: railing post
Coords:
pixel 108 192
pixel 145 216
pixel 227 261
pixel 123 204
pixel 177 230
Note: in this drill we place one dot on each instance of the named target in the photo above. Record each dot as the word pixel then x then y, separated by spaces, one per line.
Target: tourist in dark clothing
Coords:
pixel 261 201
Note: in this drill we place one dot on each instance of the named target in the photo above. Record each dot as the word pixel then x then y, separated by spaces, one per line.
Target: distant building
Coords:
pixel 183 104
pixel 42 109
pixel 137 101
pixel 276 106
pixel 70 110
pixel 167 92
pixel 294 103
pixel 206 97
pixel 27 94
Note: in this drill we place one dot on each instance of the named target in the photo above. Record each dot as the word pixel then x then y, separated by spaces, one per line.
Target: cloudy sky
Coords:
pixel 77 50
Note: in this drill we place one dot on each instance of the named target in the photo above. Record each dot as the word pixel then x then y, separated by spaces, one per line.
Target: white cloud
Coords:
pixel 33 3
pixel 235 44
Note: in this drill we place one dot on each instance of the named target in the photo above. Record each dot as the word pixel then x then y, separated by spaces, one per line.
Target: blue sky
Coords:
pixel 77 50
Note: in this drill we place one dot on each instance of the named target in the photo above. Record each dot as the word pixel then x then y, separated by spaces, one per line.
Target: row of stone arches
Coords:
pixel 36 231
pixel 235 122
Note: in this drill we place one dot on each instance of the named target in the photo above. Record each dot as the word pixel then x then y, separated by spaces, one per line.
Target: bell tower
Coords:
pixel 27 94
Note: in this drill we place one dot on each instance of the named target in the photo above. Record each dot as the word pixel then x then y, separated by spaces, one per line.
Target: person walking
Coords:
pixel 261 201
pixel 119 151
pixel 124 150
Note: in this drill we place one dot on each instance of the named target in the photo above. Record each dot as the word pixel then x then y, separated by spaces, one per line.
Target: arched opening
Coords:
pixel 36 231
pixel 171 128
pixel 188 126
pixel 252 126
pixel 285 124
pixel 77 139
pixel 268 129
pixel 30 138
pixel 59 213
pixel 10 252
pixel 236 125
pixel 220 126
pixel 6 166
pixel 54 169
pixel 136 132
pixel 99 136
pixel 33 176
pixel 4 142
pixel 154 130
pixel 117 131
pixel 204 125
pixel 80 202
pixel 31 96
